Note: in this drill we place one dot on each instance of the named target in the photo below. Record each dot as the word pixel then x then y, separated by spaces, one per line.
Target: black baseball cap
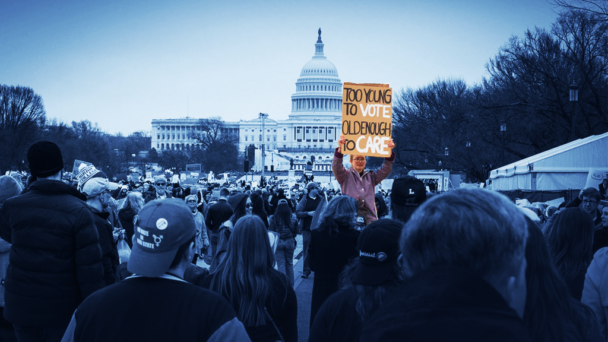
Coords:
pixel 378 252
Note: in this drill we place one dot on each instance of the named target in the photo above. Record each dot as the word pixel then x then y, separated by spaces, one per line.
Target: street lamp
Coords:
pixel 439 164
pixel 573 99
pixel 468 145
pixel 503 129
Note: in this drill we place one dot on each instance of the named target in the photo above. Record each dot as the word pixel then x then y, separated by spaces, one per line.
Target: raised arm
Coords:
pixel 387 166
pixel 336 165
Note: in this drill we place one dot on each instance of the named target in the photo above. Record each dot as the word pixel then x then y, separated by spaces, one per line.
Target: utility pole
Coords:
pixel 263 117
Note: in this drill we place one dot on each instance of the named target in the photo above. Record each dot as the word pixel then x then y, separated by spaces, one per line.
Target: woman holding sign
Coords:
pixel 358 183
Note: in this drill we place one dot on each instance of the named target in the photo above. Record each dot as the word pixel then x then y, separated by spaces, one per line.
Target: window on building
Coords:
pixel 284 137
pixel 260 137
pixel 284 146
pixel 173 136
pixel 246 138
pixel 275 138
pixel 268 138
pixel 275 131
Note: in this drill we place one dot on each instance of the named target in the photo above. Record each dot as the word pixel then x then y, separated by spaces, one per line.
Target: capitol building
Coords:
pixel 312 128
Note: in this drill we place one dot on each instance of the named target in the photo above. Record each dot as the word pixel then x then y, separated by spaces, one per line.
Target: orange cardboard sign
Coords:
pixel 367 119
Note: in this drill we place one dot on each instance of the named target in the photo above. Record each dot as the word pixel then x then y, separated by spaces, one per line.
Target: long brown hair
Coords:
pixel 242 277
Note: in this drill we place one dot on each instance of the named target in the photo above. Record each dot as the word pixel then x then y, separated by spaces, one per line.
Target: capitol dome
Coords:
pixel 318 89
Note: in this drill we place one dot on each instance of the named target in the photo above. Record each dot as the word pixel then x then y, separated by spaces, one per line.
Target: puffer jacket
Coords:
pixel 362 187
pixel 55 259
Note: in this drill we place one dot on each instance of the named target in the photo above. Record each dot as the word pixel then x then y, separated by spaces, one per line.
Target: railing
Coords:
pixel 306 150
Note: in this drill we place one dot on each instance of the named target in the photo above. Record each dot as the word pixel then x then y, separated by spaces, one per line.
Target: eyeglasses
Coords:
pixel 589 202
pixel 191 201
pixel 248 205
pixel 161 184
pixel 359 159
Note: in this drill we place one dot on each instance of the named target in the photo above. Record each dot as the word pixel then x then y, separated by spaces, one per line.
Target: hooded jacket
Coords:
pixel 362 187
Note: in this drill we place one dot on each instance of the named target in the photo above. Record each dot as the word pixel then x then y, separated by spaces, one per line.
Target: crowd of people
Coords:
pixel 94 260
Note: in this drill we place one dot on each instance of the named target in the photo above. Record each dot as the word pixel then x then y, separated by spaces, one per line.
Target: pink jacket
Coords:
pixel 362 188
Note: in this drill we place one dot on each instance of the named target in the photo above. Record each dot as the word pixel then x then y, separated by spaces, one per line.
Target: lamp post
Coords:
pixel 468 145
pixel 573 99
pixel 263 116
pixel 447 154
pixel 503 129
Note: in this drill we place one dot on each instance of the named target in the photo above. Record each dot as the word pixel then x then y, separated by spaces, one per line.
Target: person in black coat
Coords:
pixel 463 255
pixel 217 214
pixel 366 282
pixel 133 205
pixel 97 189
pixel 332 246
pixel 55 259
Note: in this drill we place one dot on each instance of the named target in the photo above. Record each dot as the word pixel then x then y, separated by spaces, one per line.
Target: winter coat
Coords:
pixel 5 248
pixel 445 304
pixel 126 215
pixel 328 255
pixel 362 187
pixel 285 232
pixel 109 251
pixel 218 213
pixel 595 291
pixel 55 259
pixel 201 232
pixel 282 306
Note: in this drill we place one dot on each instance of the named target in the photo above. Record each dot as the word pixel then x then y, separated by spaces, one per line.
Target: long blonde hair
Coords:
pixel 134 201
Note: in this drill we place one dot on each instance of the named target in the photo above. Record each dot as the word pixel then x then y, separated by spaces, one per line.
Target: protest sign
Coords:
pixel 367 114
pixel 77 164
pixel 193 167
pixel 595 177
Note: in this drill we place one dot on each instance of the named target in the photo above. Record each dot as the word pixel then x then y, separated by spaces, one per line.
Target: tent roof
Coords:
pixel 576 156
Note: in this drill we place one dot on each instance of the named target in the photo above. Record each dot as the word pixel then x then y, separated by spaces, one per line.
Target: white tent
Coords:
pixel 561 168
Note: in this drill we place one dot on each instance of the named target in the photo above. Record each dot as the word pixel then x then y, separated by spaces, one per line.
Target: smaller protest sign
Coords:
pixel 77 164
pixel 595 177
pixel 193 167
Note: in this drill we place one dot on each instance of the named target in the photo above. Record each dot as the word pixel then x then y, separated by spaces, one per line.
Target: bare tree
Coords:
pixel 597 7
pixel 21 113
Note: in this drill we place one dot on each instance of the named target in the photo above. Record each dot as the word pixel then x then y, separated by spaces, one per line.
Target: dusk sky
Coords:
pixel 121 64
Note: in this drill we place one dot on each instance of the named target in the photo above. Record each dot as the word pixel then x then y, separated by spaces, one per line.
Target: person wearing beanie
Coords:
pixel 407 194
pixel 9 187
pixel 97 190
pixel 366 282
pixel 55 258
pixel 360 184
